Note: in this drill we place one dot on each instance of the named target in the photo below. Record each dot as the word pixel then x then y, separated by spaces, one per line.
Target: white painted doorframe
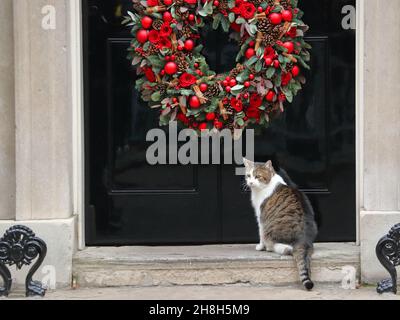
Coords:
pixel 78 152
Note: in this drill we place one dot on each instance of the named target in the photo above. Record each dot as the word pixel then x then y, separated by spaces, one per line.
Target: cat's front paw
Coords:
pixel 260 247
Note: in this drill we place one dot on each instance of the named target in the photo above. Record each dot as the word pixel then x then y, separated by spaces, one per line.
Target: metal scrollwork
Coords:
pixel 20 247
pixel 388 253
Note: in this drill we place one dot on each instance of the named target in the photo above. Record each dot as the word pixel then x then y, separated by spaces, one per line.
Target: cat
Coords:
pixel 284 215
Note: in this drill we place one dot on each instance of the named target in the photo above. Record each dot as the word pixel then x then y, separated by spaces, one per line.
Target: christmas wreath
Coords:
pixel 176 78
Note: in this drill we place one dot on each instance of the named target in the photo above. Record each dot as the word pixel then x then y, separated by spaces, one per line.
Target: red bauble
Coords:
pixel 167 2
pixel 249 53
pixel 203 87
pixel 189 45
pixel 171 68
pixel 147 22
pixel 167 16
pixel 289 46
pixel 295 71
pixel 270 96
pixel 210 116
pixel 287 15
pixel 275 18
pixel 194 102
pixel 142 36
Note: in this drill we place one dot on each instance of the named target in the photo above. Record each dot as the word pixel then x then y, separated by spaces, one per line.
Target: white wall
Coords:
pixel 7 115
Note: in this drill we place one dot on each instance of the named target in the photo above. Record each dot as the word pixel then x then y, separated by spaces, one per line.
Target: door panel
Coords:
pixel 132 202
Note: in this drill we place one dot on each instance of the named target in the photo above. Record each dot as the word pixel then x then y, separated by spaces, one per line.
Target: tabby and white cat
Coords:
pixel 284 214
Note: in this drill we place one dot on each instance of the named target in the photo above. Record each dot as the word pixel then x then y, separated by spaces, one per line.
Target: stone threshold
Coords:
pixel 205 265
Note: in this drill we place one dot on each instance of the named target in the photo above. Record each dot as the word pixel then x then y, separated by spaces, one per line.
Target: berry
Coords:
pixel 203 126
pixel 216 3
pixel 276 64
pixel 250 52
pixel 289 46
pixel 270 96
pixel 268 61
pixel 251 76
pixel 171 68
pixel 167 16
pixel 167 2
pixel 287 15
pixel 295 71
pixel 225 83
pixel 247 84
pixel 275 18
pixel 203 87
pixel 210 116
pixel 142 36
pixel 232 82
pixel 191 17
pixel 228 89
pixel 147 22
pixel 189 45
pixel 194 102
pixel 218 124
pixel 246 95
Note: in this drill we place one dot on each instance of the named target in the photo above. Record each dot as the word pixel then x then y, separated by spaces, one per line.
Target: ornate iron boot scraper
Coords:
pixel 19 246
pixel 388 253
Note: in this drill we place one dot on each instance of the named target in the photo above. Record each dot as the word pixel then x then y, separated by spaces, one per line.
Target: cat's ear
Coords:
pixel 247 163
pixel 269 165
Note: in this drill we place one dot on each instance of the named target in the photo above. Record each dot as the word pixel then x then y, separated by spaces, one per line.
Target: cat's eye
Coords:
pixel 247 176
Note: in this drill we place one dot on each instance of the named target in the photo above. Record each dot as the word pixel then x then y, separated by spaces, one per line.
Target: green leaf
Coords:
pixel 270 72
pixel 231 17
pixel 156 96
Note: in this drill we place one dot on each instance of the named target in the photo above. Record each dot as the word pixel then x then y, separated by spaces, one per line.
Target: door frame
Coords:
pixel 78 124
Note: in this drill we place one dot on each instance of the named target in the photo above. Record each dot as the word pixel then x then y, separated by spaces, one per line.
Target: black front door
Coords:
pixel 132 202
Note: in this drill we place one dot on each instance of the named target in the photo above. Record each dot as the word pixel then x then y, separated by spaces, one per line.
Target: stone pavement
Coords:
pixel 225 292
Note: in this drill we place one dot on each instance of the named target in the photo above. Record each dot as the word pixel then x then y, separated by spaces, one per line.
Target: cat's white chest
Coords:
pixel 258 196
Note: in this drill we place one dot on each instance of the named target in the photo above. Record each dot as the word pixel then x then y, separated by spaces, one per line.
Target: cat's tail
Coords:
pixel 302 255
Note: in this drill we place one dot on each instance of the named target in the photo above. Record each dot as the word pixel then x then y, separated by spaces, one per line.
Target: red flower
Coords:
pixel 236 104
pixel 286 77
pixel 191 1
pixel 164 43
pixel 154 36
pixel 236 9
pixel 148 72
pixel 269 53
pixel 152 3
pixel 247 10
pixel 255 100
pixel 186 80
pixel 292 32
pixel 165 30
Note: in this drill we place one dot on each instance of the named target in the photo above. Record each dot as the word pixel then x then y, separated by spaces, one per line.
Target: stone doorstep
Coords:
pixel 205 265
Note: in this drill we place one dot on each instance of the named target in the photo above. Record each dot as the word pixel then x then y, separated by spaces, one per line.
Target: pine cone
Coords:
pixel 162 87
pixel 186 32
pixel 285 3
pixel 152 50
pixel 157 24
pixel 182 15
pixel 182 64
pixel 235 72
pixel 271 36
pixel 212 91
pixel 289 66
pixel 264 26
